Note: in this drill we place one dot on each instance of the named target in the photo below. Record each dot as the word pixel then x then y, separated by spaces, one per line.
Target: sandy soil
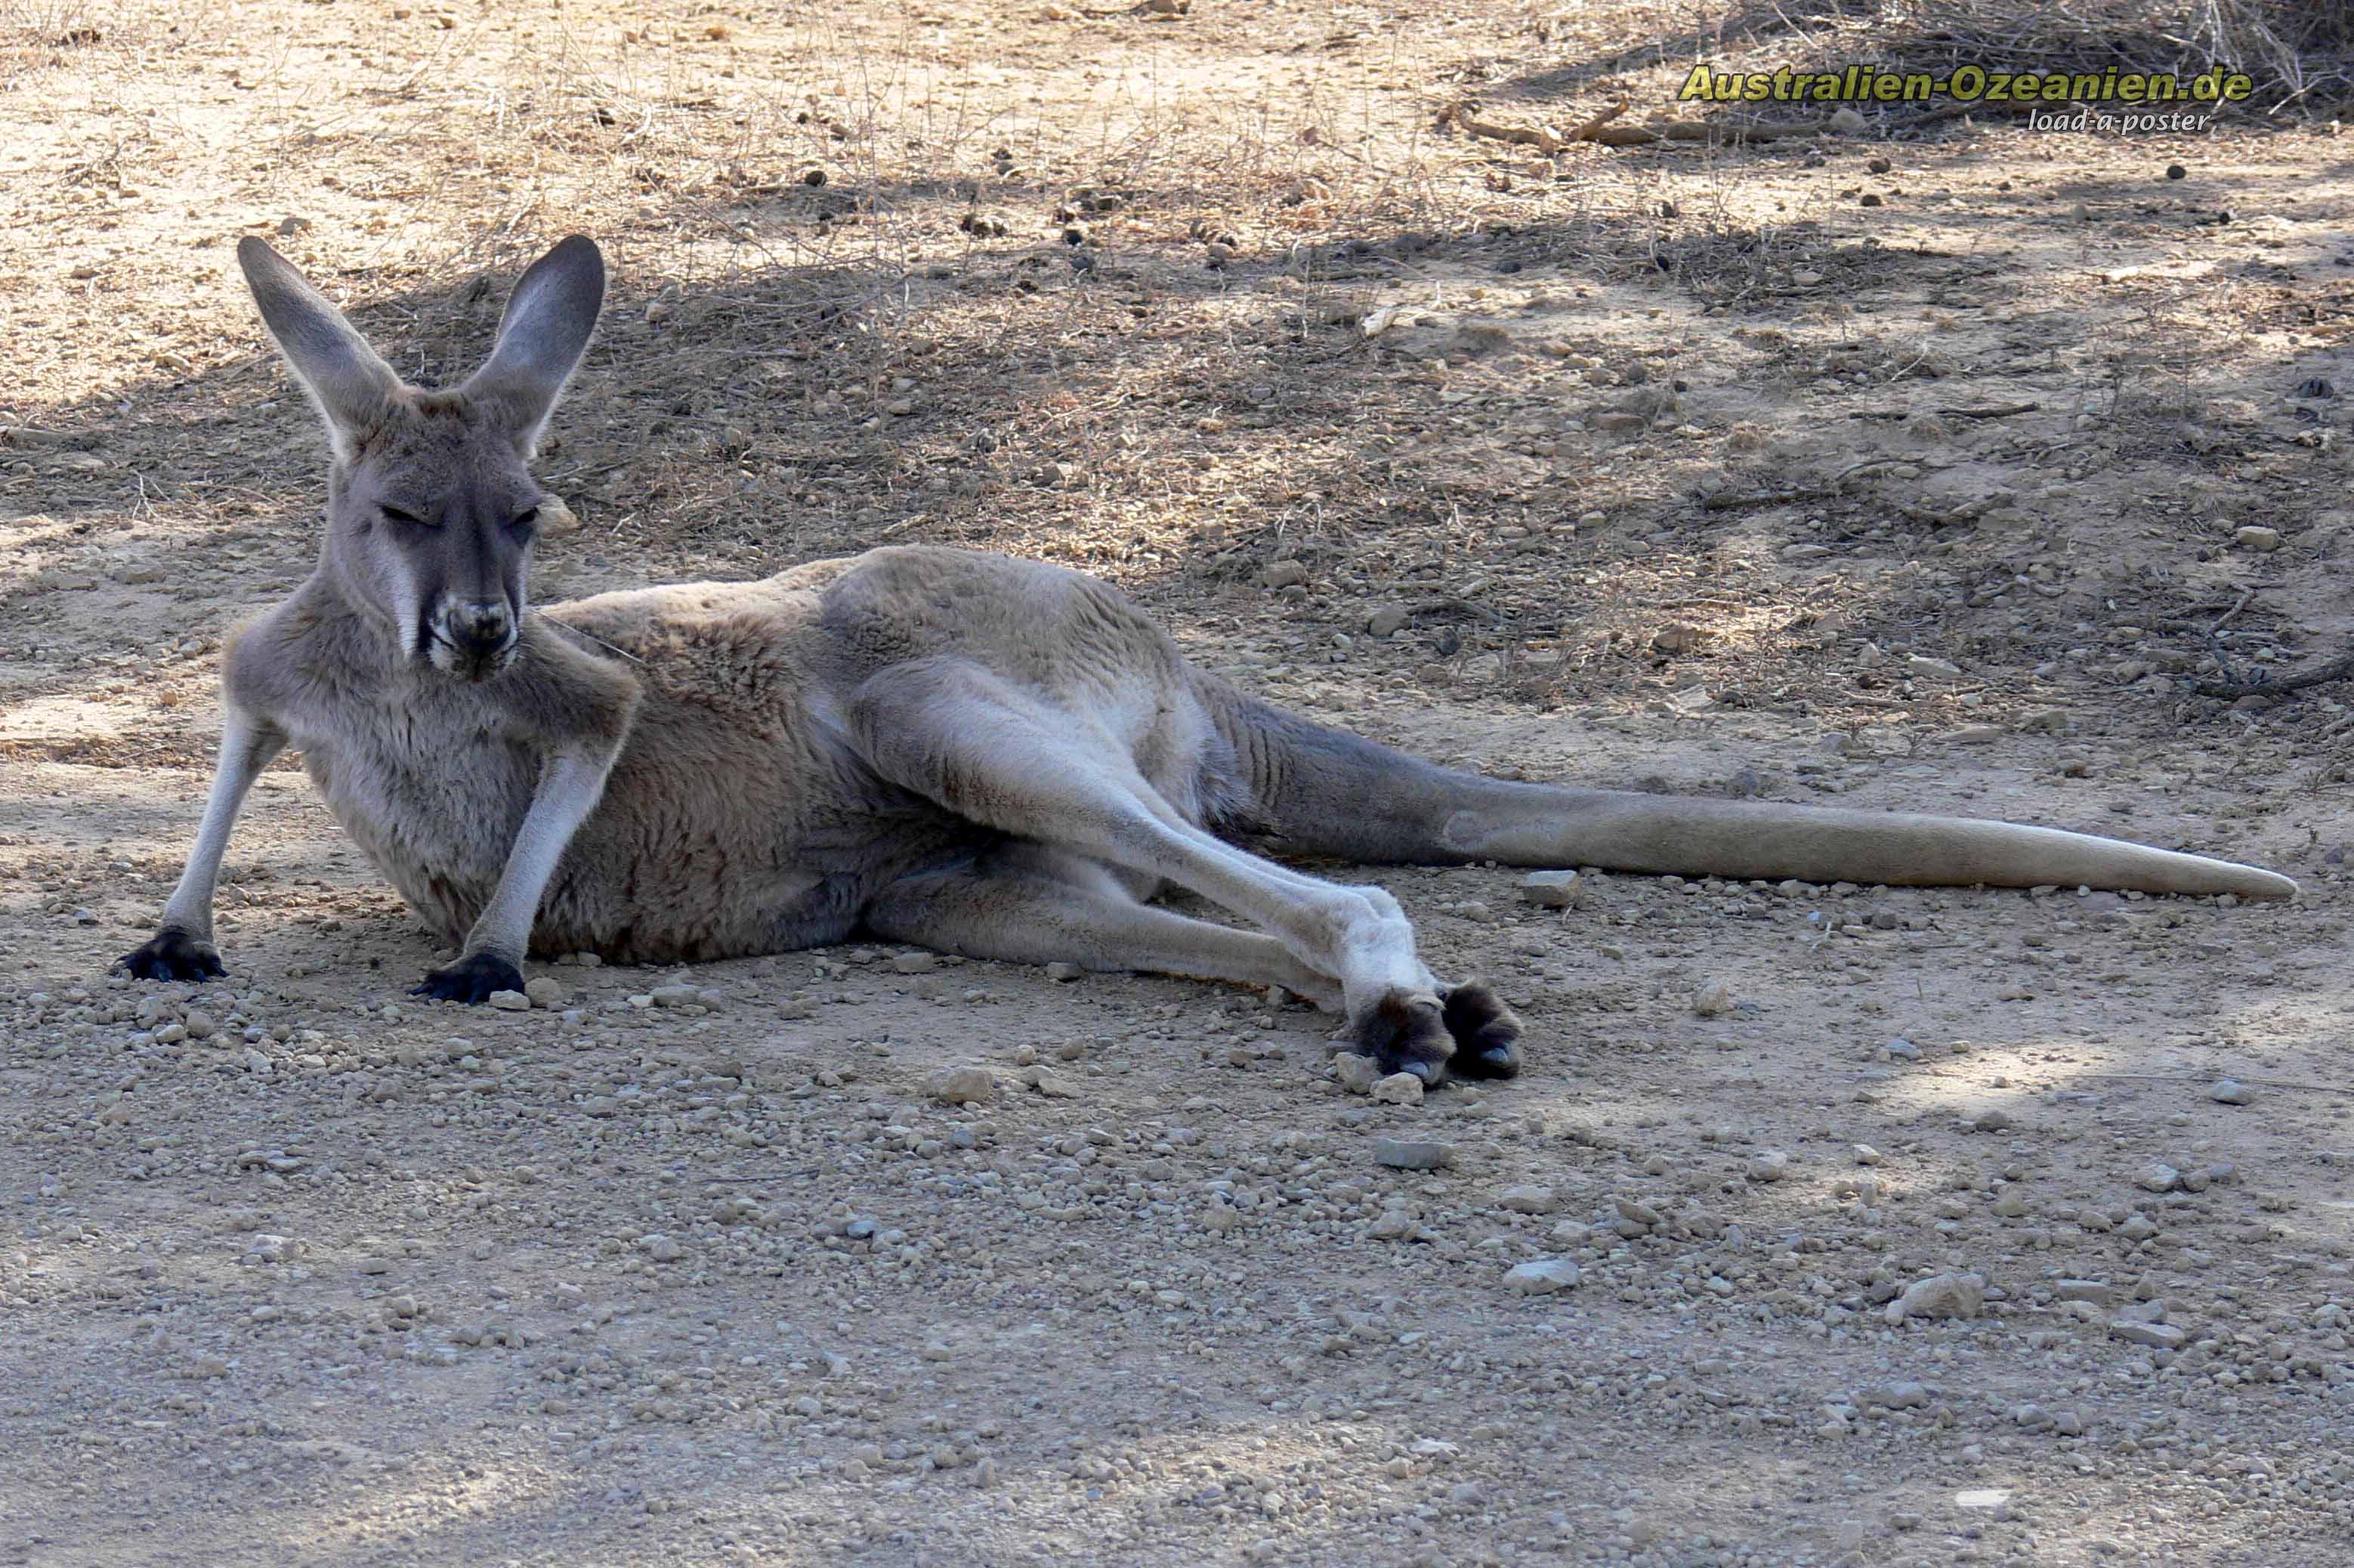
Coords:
pixel 690 1268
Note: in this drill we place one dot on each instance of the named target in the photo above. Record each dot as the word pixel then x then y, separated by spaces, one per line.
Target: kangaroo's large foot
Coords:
pixel 1486 1031
pixel 1406 1033
pixel 471 980
pixel 172 954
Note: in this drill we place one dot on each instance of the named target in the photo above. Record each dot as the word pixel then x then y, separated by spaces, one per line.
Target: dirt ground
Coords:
pixel 1636 466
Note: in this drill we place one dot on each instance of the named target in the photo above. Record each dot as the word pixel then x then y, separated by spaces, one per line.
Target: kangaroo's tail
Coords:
pixel 1308 789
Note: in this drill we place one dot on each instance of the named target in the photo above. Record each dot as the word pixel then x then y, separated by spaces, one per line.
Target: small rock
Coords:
pixel 1283 573
pixel 679 994
pixel 916 963
pixel 1398 1089
pixel 963 1086
pixel 1407 1154
pixel 1848 122
pixel 2157 1177
pixel 1358 1075
pixel 510 1000
pixel 1549 889
pixel 1543 1277
pixel 1865 1154
pixel 1051 1084
pixel 1896 1396
pixel 1529 1199
pixel 1994 1119
pixel 2157 1336
pixel 1940 1295
pixel 544 990
pixel 2262 540
pixel 1936 669
pixel 1714 999
pixel 2230 1092
pixel 1385 620
pixel 1064 972
pixel 2099 1292
pixel 1770 1165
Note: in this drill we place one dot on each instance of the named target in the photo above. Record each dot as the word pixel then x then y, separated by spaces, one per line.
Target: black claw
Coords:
pixel 471 980
pixel 1406 1034
pixel 172 954
pixel 1486 1031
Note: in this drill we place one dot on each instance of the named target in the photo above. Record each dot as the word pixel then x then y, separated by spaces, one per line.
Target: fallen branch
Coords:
pixel 2337 668
pixel 1763 498
pixel 1585 132
pixel 1838 486
pixel 1543 138
pixel 2001 411
pixel 1536 136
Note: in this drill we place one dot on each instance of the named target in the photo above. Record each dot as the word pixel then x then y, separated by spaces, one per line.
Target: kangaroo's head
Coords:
pixel 431 504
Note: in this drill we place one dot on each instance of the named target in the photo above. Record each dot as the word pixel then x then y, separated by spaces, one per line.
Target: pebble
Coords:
pixel 1543 1277
pixel 2230 1092
pixel 1398 1089
pixel 1940 1295
pixel 1358 1075
pixel 1064 972
pixel 1769 1165
pixel 963 1085
pixel 1408 1154
pixel 2157 1336
pixel 916 963
pixel 1549 889
pixel 2260 539
pixel 544 990
pixel 2157 1177
pixel 1529 1199
pixel 510 1000
pixel 1714 999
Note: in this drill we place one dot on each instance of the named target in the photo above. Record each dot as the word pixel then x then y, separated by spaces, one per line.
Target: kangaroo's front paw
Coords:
pixel 172 954
pixel 1408 1034
pixel 1486 1031
pixel 471 980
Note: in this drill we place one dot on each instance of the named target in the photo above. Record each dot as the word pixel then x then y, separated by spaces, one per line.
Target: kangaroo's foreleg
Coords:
pixel 1027 905
pixel 182 947
pixel 570 784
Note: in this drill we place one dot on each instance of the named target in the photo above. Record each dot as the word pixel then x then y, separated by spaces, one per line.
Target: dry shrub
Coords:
pixel 2300 52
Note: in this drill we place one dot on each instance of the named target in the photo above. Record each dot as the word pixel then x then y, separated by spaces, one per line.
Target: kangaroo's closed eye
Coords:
pixel 521 521
pixel 395 514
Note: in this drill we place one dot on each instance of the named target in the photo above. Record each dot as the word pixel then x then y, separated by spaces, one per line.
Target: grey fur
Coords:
pixel 973 752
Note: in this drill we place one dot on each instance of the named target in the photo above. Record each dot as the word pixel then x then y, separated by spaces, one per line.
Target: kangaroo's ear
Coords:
pixel 541 339
pixel 353 388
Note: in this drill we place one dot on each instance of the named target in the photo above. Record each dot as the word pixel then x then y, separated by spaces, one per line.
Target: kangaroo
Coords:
pixel 967 752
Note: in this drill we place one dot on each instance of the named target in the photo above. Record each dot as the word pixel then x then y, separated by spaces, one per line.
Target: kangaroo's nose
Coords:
pixel 481 625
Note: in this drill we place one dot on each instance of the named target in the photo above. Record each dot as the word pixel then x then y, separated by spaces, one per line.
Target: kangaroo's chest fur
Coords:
pixel 431 790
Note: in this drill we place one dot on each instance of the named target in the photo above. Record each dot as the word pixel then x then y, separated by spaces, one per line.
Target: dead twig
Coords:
pixel 2337 669
pixel 1784 497
pixel 2000 411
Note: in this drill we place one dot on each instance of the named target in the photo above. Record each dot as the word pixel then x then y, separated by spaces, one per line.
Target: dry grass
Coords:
pixel 2300 52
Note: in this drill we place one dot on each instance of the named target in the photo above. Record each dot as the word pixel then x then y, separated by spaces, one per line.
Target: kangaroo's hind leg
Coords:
pixel 1025 904
pixel 996 753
